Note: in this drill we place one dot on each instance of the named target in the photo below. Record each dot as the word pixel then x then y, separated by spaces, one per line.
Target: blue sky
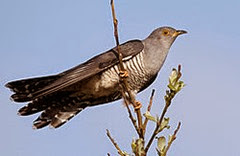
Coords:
pixel 46 37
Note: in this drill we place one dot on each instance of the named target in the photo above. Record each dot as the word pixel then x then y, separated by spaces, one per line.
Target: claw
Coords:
pixel 123 74
pixel 138 105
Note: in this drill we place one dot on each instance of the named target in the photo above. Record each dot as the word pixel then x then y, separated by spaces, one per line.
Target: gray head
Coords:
pixel 165 36
pixel 157 45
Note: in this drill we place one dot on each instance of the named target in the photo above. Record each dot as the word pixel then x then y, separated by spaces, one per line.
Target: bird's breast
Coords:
pixel 138 73
pixel 108 79
pixel 107 82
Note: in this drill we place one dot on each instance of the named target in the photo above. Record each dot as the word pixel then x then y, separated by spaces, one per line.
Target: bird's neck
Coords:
pixel 155 54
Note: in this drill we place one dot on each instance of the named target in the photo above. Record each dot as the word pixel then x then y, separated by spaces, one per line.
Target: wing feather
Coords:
pixel 93 66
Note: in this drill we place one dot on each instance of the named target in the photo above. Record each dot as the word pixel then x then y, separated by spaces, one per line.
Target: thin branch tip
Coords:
pixel 114 143
pixel 179 67
pixel 153 92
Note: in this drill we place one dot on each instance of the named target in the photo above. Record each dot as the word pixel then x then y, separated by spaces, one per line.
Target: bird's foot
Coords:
pixel 137 105
pixel 123 74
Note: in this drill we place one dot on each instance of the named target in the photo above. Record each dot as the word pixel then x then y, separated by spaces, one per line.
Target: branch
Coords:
pixel 114 143
pixel 130 115
pixel 148 109
pixel 123 75
pixel 175 85
pixel 172 138
pixel 155 132
pixel 128 95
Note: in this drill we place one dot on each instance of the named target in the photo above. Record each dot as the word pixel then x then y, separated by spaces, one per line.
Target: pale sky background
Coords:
pixel 48 36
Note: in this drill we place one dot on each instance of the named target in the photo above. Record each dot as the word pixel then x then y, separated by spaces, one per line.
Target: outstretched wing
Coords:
pixel 93 66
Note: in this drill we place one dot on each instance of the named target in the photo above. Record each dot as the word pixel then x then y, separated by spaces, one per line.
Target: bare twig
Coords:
pixel 148 109
pixel 114 143
pixel 151 99
pixel 131 116
pixel 115 23
pixel 174 136
pixel 123 79
pixel 155 132
pixel 179 72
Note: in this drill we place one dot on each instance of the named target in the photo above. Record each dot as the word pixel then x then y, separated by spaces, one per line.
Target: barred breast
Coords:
pixel 138 74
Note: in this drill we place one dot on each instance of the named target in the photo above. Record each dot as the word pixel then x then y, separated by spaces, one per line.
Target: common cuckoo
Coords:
pixel 60 97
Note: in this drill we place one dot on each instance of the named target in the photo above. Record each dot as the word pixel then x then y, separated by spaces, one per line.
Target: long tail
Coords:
pixel 56 109
pixel 24 88
pixel 57 113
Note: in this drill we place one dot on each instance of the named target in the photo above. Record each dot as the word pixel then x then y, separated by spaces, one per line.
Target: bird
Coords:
pixel 60 97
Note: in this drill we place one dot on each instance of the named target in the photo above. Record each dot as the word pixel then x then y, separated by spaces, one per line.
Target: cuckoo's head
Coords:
pixel 166 35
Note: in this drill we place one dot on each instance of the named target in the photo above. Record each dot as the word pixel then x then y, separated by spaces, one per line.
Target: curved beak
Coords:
pixel 179 32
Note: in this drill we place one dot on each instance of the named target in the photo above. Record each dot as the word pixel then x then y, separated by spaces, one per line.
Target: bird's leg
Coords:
pixel 123 74
pixel 137 105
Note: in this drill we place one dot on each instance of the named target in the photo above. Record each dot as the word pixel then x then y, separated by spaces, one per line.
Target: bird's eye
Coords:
pixel 165 32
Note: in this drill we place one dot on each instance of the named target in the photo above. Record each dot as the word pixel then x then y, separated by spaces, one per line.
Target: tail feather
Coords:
pixel 55 113
pixel 24 88
pixel 32 108
pixel 57 108
pixel 40 123
pixel 45 118
pixel 62 117
pixel 42 103
pixel 20 97
pixel 55 117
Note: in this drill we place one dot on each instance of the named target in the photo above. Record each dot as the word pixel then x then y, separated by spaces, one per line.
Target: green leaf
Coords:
pixel 161 144
pixel 149 116
pixel 173 76
pixel 174 83
pixel 170 86
pixel 180 85
pixel 137 146
pixel 134 146
pixel 164 124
